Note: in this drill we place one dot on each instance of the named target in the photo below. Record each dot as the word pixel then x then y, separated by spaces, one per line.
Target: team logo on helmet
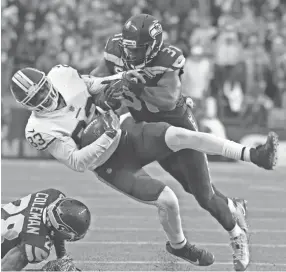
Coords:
pixel 155 29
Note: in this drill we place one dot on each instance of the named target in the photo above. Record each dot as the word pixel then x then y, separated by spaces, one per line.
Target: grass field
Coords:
pixel 126 235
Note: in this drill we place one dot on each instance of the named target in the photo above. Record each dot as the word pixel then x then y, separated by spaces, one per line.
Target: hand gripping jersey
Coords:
pixel 23 222
pixel 67 122
pixel 169 59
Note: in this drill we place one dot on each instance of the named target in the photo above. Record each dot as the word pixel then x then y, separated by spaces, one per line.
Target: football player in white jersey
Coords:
pixel 62 105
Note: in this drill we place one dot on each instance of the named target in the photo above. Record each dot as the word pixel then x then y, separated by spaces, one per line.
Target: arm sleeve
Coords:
pixel 60 248
pixel 65 151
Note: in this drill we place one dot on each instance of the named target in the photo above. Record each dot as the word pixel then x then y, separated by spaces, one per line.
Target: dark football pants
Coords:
pixel 190 168
pixel 144 143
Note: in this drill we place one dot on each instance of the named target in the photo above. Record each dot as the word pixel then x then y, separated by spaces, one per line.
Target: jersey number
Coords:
pixel 36 141
pixel 89 113
pixel 133 102
pixel 169 51
pixel 13 225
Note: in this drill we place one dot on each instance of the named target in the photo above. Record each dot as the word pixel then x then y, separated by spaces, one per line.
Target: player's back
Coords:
pixel 23 222
pixel 67 121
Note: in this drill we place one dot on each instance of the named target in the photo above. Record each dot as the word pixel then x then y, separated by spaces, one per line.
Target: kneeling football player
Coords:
pixel 66 123
pixel 31 225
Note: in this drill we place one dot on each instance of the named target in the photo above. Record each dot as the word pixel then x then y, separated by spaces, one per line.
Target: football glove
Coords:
pixel 111 95
pixel 62 264
pixel 134 81
pixel 190 103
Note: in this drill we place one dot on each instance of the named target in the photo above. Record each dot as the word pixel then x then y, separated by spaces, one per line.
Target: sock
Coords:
pixel 236 151
pixel 236 231
pixel 231 205
pixel 170 218
pixel 179 245
pixel 245 154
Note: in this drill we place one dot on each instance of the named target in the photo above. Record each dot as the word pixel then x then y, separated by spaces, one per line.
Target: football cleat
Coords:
pixel 265 155
pixel 192 254
pixel 240 248
pixel 241 213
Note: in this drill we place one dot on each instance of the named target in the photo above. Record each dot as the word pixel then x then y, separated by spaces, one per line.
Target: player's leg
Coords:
pixel 179 138
pixel 190 168
pixel 126 176
pixel 154 141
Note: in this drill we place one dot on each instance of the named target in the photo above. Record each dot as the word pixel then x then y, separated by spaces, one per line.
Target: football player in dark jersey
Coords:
pixel 31 225
pixel 140 46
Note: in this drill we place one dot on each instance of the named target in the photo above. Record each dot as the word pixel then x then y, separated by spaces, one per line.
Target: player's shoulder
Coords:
pixel 62 73
pixel 36 253
pixel 170 57
pixel 112 50
pixel 52 194
pixel 112 45
pixel 62 69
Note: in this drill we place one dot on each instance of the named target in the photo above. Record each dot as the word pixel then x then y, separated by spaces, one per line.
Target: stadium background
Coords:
pixel 235 50
pixel 235 72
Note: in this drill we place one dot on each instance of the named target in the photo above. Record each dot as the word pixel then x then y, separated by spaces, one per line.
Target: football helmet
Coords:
pixel 34 90
pixel 70 218
pixel 142 38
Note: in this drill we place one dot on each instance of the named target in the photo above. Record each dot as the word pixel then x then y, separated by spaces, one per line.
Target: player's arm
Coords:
pixel 106 65
pixel 60 248
pixel 15 259
pixel 102 70
pixel 65 150
pixel 166 93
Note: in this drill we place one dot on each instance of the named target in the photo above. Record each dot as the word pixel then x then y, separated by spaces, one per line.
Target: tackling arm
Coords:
pixel 15 259
pixel 165 95
pixel 101 70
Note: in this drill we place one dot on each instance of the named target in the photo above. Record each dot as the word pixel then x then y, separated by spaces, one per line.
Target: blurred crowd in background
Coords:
pixel 235 49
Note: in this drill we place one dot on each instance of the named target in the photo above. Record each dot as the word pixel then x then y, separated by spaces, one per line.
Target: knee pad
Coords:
pixel 168 200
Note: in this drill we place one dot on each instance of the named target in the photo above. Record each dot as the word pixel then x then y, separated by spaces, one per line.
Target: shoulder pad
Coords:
pixel 35 254
pixel 112 51
pixel 62 69
pixel 170 57
pixel 37 139
pixel 52 192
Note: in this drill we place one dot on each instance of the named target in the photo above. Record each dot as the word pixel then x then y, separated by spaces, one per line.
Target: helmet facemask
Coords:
pixel 40 97
pixel 137 56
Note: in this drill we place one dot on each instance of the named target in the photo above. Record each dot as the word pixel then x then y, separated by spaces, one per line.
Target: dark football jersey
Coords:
pixel 23 223
pixel 168 59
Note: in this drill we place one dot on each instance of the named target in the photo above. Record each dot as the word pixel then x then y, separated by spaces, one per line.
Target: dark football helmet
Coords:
pixel 34 90
pixel 70 218
pixel 142 38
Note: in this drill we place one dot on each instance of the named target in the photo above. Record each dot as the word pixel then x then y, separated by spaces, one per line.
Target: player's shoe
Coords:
pixel 240 252
pixel 192 254
pixel 265 155
pixel 241 213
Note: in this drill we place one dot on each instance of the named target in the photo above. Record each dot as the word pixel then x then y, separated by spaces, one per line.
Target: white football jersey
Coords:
pixel 67 124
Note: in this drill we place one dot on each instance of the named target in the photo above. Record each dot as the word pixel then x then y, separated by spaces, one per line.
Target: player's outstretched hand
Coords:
pixel 134 81
pixel 62 264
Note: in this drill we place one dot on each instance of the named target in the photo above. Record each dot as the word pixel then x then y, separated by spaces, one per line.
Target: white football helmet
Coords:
pixel 34 90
